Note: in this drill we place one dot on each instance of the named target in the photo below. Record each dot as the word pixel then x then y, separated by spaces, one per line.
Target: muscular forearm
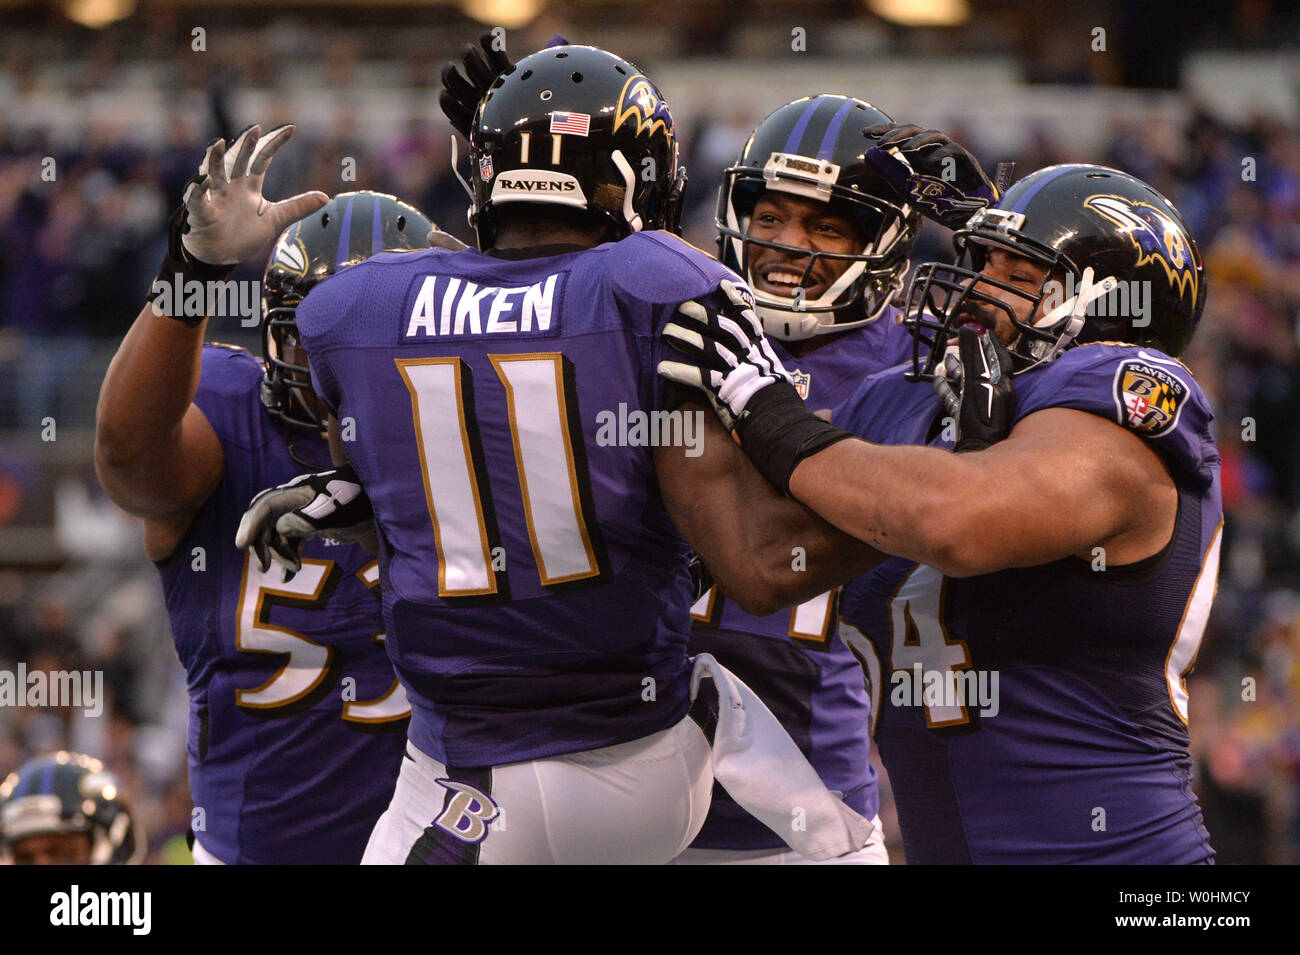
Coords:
pixel 149 385
pixel 799 554
pixel 143 403
pixel 906 501
pixel 1062 483
pixel 764 550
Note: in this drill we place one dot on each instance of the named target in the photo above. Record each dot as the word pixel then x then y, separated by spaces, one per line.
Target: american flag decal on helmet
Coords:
pixel 575 124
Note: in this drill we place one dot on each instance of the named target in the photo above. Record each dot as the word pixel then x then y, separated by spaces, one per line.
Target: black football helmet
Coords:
pixel 67 792
pixel 1104 238
pixel 351 227
pixel 815 148
pixel 581 128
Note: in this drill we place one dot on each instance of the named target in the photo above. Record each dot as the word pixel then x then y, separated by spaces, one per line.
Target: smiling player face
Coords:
pixel 803 224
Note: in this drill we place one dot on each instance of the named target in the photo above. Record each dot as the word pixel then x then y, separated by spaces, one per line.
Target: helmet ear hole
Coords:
pixel 325 220
pixel 401 223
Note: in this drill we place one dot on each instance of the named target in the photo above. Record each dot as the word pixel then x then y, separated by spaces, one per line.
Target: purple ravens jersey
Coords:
pixel 1039 715
pixel 297 722
pixel 794 659
pixel 500 414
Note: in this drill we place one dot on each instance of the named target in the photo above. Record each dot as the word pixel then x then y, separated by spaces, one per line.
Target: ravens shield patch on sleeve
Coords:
pixel 1148 396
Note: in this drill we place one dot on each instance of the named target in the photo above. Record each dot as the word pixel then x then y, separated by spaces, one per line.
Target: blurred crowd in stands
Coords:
pixel 77 254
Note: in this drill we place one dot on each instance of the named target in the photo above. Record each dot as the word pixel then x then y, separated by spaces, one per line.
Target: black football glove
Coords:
pixel 460 95
pixel 974 381
pixel 731 361
pixel 931 172
pixel 330 504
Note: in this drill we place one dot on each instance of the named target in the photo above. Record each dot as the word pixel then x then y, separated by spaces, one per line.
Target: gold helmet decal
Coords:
pixel 1157 238
pixel 641 103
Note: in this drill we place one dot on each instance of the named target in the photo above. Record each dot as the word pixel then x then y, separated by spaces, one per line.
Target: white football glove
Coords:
pixel 731 359
pixel 329 504
pixel 229 219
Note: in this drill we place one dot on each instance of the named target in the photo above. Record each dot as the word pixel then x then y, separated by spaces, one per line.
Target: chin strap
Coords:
pixel 455 167
pixel 629 185
pixel 1075 309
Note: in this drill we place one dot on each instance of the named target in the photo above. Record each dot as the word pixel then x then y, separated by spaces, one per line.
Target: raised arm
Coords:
pixel 155 453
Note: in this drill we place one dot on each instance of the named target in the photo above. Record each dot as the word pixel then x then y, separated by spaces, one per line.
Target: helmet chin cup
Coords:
pixel 788 325
pixel 784 320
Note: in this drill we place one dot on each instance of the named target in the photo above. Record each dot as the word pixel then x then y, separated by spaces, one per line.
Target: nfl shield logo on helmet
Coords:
pixel 802 382
pixel 485 167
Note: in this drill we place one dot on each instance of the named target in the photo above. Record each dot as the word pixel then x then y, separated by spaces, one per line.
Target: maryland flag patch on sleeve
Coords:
pixel 1149 396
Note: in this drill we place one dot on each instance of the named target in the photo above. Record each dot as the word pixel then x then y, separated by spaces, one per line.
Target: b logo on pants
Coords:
pixel 467 813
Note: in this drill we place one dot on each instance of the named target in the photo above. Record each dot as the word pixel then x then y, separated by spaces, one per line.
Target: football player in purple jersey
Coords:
pixel 1049 584
pixel 506 429
pixel 819 214
pixel 296 718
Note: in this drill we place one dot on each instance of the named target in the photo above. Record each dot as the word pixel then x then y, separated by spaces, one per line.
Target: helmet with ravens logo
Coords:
pixel 1121 266
pixel 67 794
pixel 351 227
pixel 576 127
pixel 815 148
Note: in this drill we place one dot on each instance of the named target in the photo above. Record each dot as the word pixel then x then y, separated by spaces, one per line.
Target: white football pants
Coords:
pixel 873 853
pixel 640 802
